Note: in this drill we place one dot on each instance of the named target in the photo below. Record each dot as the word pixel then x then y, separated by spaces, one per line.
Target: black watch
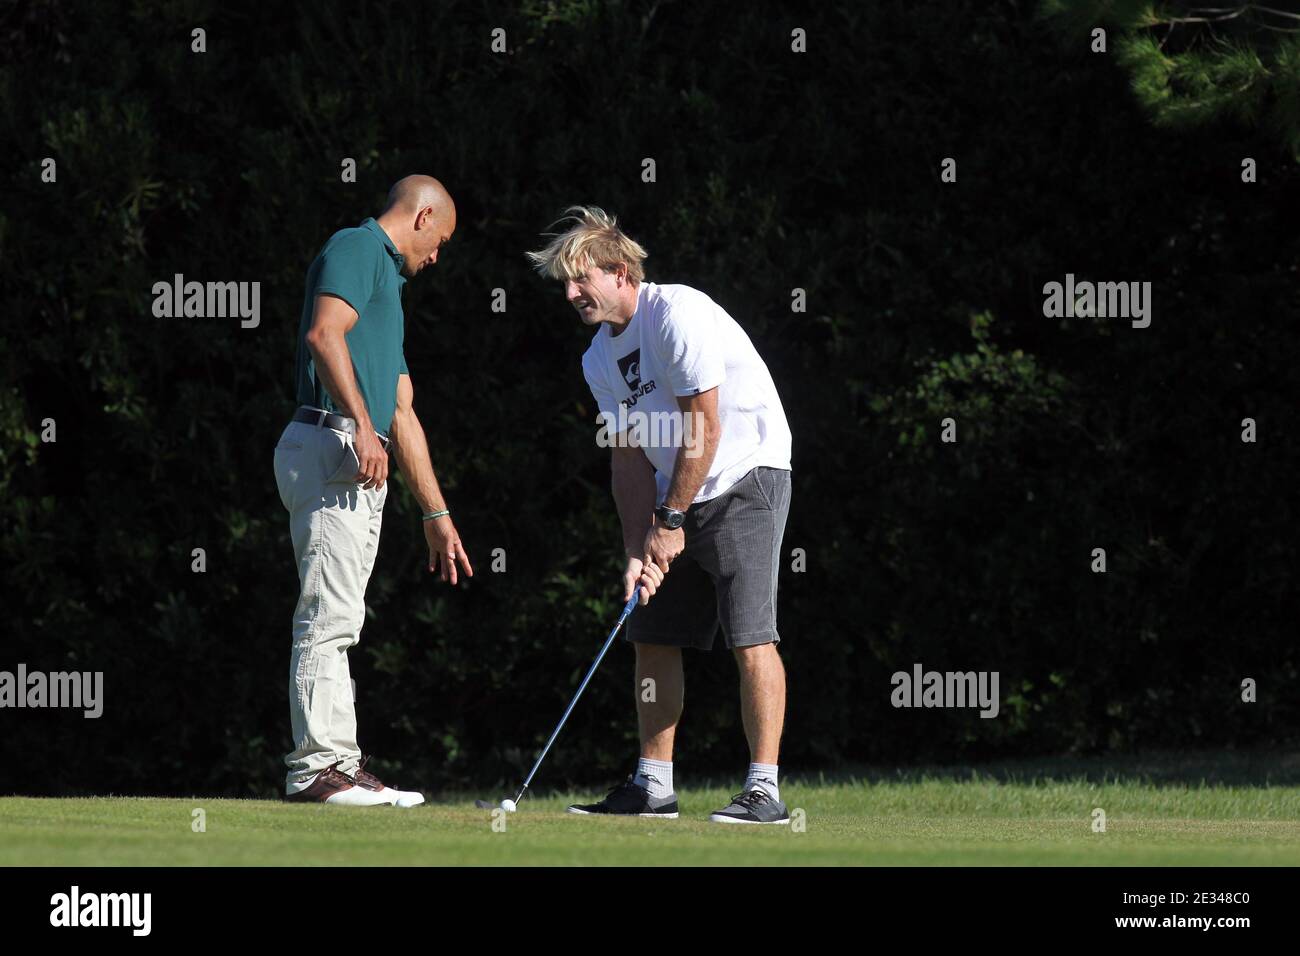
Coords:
pixel 670 518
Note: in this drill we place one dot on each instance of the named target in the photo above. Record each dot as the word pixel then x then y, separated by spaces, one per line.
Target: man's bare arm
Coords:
pixel 633 480
pixel 332 319
pixel 411 451
pixel 703 428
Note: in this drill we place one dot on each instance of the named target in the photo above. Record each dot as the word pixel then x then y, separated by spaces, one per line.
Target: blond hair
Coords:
pixel 594 239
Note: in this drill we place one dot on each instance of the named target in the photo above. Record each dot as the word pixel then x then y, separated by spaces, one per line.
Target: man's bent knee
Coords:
pixel 756 655
pixel 656 653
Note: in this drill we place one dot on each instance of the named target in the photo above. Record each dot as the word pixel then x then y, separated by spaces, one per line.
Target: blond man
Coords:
pixel 702 505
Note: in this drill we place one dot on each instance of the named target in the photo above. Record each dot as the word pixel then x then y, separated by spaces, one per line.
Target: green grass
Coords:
pixel 927 819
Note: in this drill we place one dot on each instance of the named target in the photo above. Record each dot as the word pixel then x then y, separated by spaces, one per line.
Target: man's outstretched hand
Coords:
pixel 445 549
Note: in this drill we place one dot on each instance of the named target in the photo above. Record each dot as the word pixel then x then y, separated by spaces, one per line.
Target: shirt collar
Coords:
pixel 398 259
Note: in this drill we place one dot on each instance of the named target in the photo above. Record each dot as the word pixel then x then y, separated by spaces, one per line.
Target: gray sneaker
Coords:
pixel 752 806
pixel 630 799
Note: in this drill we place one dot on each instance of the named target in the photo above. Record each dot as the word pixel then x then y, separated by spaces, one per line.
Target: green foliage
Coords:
pixel 1191 65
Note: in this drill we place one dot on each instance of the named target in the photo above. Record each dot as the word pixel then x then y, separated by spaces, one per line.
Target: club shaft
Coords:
pixel 627 609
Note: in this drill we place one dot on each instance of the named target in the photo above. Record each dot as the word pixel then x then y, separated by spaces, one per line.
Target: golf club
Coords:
pixel 510 805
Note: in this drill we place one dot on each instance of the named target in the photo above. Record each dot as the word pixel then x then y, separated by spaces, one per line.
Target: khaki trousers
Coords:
pixel 334 524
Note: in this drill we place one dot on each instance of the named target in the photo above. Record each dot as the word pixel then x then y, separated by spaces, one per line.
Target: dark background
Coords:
pixel 775 170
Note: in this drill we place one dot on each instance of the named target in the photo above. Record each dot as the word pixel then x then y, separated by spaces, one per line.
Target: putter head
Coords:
pixel 484 805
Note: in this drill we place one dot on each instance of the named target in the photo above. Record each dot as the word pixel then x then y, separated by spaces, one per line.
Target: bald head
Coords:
pixel 419 217
pixel 413 193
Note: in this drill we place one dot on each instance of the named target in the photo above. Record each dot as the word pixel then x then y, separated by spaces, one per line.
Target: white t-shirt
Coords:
pixel 681 342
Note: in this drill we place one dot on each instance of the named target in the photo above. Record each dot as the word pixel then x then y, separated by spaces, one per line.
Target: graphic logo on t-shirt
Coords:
pixel 629 366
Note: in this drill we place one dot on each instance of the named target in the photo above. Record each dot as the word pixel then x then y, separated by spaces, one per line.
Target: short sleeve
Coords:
pixel 403 370
pixel 691 346
pixel 606 403
pixel 351 269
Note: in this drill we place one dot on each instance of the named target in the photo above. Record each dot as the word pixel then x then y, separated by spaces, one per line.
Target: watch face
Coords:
pixel 672 519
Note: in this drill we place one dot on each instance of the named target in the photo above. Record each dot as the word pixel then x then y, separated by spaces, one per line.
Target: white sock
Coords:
pixel 656 776
pixel 763 776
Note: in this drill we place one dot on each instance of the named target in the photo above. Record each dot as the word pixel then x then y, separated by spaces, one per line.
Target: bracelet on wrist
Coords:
pixel 434 514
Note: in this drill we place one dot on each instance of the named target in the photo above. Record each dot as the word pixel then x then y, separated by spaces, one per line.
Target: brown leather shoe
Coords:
pixel 364 778
pixel 328 782
pixel 400 798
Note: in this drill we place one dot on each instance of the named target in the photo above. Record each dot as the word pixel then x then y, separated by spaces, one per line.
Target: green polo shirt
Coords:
pixel 362 267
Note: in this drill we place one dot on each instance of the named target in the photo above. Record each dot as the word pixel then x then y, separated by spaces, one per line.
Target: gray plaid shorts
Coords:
pixel 727 573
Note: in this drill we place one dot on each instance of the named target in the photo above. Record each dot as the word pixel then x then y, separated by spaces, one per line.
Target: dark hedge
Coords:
pixel 775 171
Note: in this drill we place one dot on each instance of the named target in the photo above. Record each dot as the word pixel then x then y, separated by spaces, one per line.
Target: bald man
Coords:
pixel 331 467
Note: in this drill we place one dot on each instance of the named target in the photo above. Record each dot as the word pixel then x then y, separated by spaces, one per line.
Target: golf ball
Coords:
pixel 508 806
